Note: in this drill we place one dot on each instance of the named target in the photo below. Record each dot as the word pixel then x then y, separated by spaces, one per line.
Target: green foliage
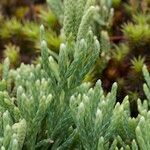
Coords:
pixel 132 49
pixel 77 18
pixel 116 3
pixel 47 105
pixel 135 6
pixel 104 57
pixel 42 100
pixel 142 133
pixel 41 93
pixel 136 33
pixel 39 111
pixel 90 116
pixel 17 28
pixel 12 136
pixel 147 85
pixel 79 15
pixel 105 14
pixel 121 51
pixel 13 53
pixel 29 32
pixel 137 64
pixel 58 9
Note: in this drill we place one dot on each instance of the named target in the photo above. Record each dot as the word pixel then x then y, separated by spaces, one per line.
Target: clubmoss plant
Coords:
pixel 78 17
pixel 48 107
pixel 64 75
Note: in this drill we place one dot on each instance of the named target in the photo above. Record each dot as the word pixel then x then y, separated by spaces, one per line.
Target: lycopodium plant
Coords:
pixel 48 107
pixel 39 95
pixel 77 16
